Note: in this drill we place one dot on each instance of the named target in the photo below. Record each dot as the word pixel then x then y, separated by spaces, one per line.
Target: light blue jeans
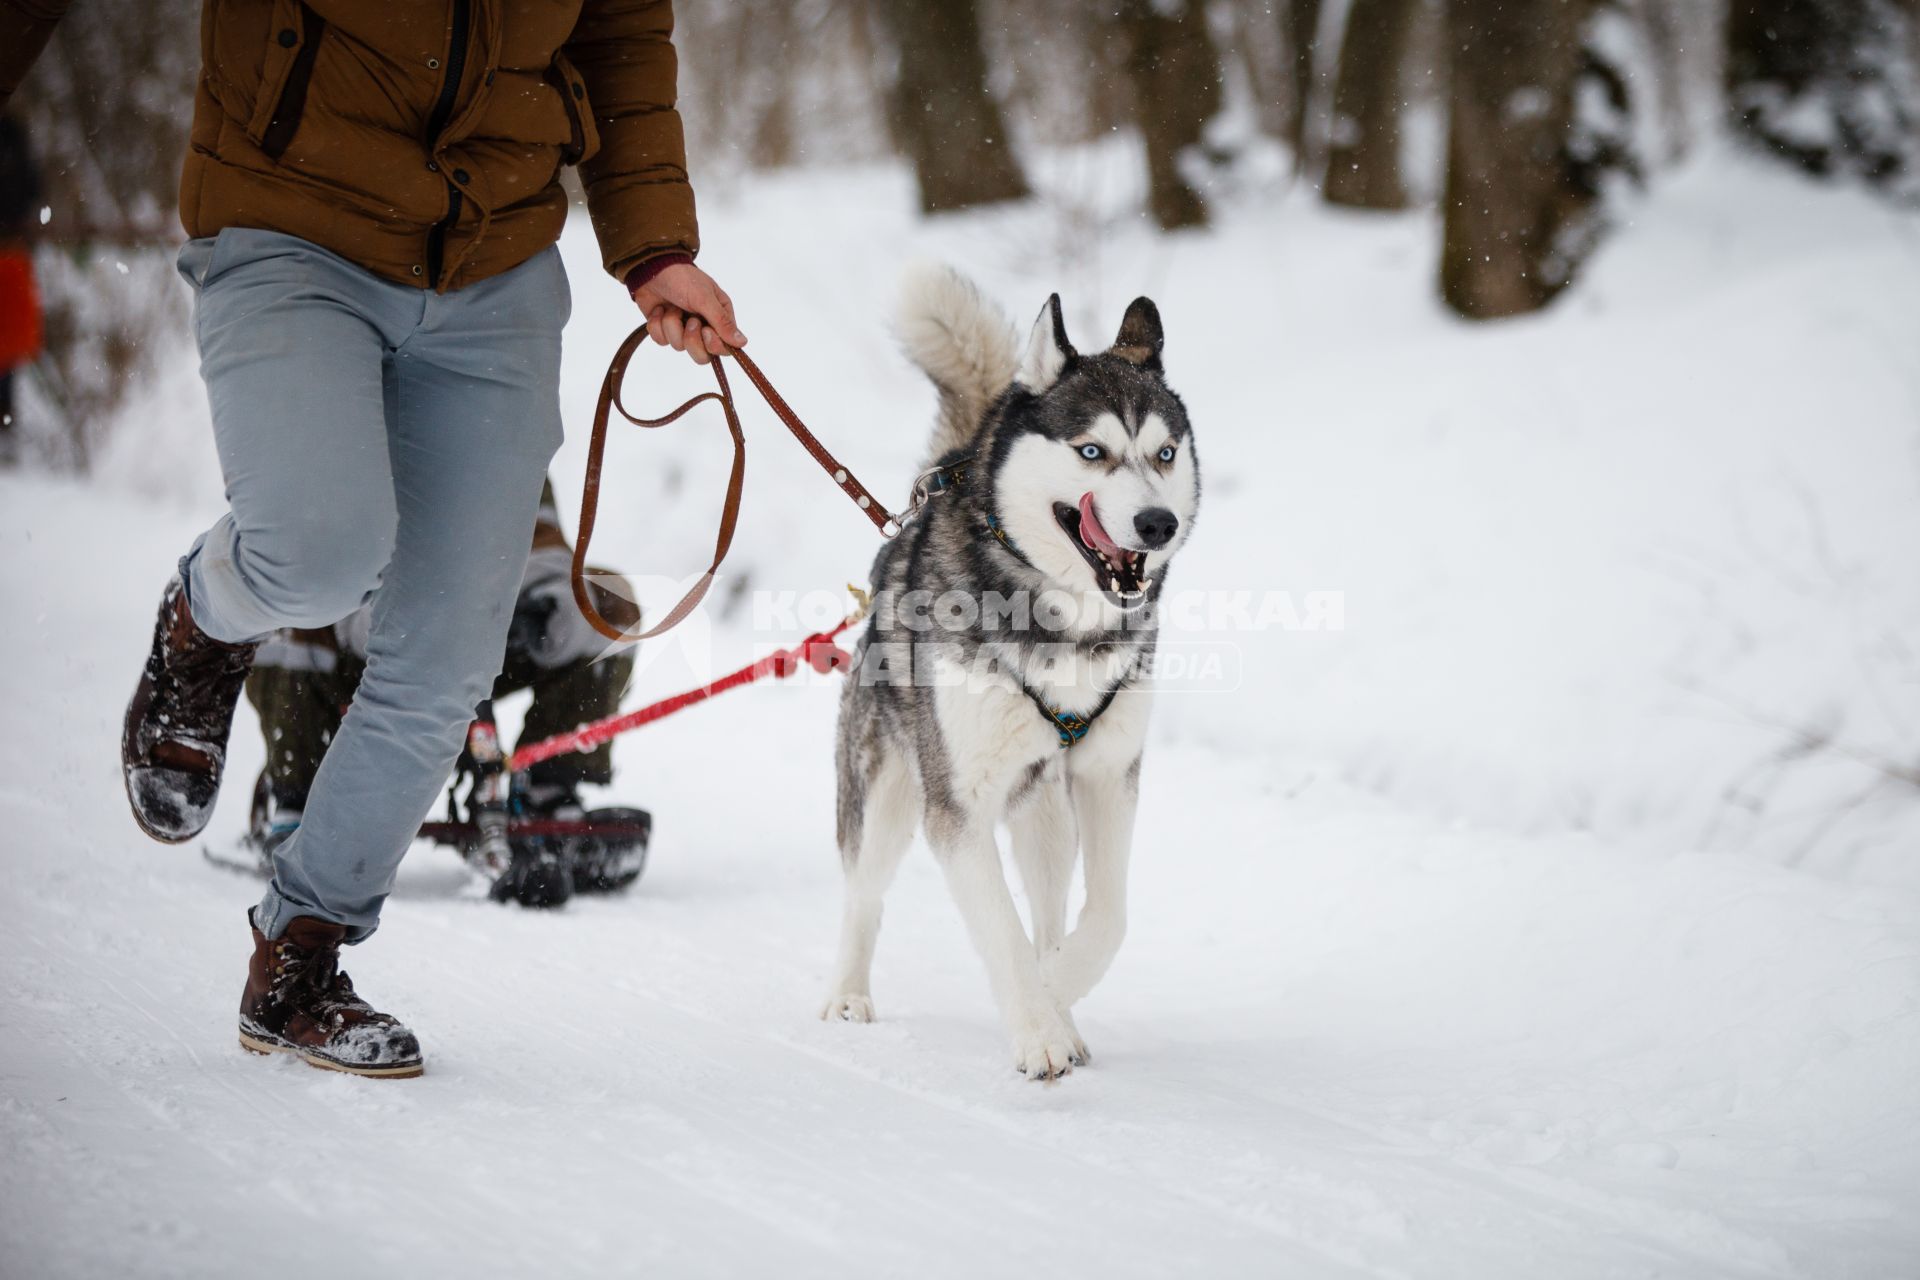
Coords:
pixel 385 442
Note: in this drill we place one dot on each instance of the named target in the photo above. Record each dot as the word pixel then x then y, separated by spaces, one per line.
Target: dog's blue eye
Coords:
pixel 1166 454
pixel 1092 452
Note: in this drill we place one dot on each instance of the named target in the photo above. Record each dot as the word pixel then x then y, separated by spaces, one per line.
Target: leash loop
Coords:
pixel 610 402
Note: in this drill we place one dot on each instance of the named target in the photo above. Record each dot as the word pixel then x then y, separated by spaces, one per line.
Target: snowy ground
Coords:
pixel 1502 933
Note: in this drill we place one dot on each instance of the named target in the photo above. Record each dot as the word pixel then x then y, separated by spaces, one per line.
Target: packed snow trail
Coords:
pixel 1340 1040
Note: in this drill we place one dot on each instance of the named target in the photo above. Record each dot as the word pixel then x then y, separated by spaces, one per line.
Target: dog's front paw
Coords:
pixel 848 1006
pixel 1080 1055
pixel 1049 1050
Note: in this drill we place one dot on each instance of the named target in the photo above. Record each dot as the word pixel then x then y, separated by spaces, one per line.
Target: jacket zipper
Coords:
pixel 436 122
pixel 437 238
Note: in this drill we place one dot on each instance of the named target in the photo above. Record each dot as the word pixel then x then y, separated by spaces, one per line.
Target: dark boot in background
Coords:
pixel 173 746
pixel 298 1001
pixel 538 875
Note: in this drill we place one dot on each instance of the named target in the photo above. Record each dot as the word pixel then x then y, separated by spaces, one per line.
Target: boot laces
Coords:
pixel 194 685
pixel 314 981
pixel 198 666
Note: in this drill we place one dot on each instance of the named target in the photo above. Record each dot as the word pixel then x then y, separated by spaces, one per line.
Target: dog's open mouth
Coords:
pixel 1120 571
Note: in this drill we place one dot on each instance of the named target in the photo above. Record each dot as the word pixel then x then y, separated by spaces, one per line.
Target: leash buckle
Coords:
pixel 928 485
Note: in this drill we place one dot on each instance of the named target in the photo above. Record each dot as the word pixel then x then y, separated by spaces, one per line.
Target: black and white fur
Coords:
pixel 960 758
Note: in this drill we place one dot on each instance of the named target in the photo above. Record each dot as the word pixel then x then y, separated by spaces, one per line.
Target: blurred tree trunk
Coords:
pixel 1363 155
pixel 107 107
pixel 1257 43
pixel 1524 174
pixel 1175 73
pixel 761 86
pixel 1303 24
pixel 942 115
pixel 1059 67
pixel 1825 84
pixel 1669 27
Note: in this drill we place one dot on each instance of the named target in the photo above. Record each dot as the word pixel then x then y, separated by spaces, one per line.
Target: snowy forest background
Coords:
pixel 1518 126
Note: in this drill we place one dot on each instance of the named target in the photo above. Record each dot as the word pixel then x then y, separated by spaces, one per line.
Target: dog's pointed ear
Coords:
pixel 1047 349
pixel 1140 337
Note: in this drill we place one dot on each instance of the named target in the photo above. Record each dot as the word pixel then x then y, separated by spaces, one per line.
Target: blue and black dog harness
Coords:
pixel 1071 727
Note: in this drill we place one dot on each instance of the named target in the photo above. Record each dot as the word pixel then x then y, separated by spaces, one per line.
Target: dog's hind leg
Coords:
pixel 1044 1046
pixel 1104 804
pixel 1044 847
pixel 874 836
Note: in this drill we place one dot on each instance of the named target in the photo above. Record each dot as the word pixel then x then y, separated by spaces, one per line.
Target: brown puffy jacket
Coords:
pixel 424 141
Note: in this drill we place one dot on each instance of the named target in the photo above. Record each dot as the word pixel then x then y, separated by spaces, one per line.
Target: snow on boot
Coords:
pixel 284 825
pixel 298 1001
pixel 602 861
pixel 536 876
pixel 173 746
pixel 614 856
pixel 272 820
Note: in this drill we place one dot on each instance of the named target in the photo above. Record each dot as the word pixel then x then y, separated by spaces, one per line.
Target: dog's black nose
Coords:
pixel 1156 526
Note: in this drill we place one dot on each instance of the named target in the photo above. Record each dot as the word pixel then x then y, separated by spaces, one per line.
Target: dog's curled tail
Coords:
pixel 961 341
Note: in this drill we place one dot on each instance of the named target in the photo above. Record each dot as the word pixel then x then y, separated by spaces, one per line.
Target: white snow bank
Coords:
pixel 1341 1039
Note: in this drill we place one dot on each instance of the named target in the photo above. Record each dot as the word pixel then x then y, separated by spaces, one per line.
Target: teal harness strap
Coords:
pixel 944 478
pixel 1069 726
pixel 993 527
pixel 940 480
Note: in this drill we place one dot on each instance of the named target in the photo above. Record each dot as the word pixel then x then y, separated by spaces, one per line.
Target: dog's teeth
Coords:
pixel 1146 585
pixel 1115 584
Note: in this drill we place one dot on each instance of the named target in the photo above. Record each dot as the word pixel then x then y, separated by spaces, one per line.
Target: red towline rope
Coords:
pixel 817 650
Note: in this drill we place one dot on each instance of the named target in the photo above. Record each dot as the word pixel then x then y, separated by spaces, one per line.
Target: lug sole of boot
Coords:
pixel 128 765
pixel 127 768
pixel 140 820
pixel 401 1071
pixel 126 782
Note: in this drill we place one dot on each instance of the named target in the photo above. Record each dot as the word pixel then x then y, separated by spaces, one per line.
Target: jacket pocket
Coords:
pixel 290 103
pixel 195 260
pixel 566 81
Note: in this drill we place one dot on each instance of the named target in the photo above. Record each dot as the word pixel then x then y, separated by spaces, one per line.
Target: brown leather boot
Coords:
pixel 297 1001
pixel 173 746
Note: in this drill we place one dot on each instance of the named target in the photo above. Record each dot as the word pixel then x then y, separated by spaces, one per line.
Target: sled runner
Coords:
pixel 605 849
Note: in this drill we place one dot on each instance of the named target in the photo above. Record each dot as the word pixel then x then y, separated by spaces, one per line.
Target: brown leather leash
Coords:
pixel 610 402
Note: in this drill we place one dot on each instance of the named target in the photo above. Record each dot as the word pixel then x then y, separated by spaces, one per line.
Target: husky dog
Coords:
pixel 1000 679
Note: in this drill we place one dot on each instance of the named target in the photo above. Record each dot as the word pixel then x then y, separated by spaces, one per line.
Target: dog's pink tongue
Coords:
pixel 1090 530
